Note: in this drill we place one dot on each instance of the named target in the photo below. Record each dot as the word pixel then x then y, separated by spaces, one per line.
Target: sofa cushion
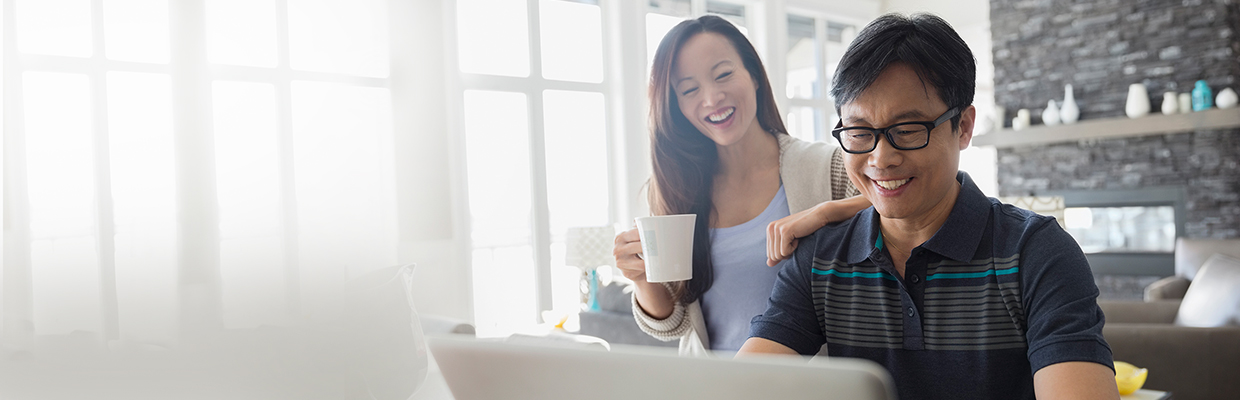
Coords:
pixel 614 297
pixel 1191 254
pixel 1169 288
pixel 1213 299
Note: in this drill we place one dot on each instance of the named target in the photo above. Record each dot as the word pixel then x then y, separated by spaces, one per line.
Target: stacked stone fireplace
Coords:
pixel 1101 47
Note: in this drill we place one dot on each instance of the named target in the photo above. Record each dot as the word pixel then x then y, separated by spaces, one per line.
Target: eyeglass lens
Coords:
pixel 905 136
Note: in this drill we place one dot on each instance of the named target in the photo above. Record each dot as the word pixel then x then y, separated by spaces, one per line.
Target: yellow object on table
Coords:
pixel 1128 377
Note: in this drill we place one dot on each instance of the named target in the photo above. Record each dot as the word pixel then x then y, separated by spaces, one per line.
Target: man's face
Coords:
pixel 906 183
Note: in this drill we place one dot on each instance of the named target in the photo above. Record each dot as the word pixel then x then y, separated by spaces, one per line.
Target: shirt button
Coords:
pixel 916 279
pixel 911 311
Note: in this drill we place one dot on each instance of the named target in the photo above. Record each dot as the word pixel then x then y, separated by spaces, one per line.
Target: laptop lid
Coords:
pixel 482 369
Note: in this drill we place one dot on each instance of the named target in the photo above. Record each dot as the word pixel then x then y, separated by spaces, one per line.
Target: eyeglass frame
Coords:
pixel 886 132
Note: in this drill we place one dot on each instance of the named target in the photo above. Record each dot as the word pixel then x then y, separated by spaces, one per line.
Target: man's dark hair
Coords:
pixel 924 42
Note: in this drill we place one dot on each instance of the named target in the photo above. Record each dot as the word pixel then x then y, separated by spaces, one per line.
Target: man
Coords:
pixel 957 295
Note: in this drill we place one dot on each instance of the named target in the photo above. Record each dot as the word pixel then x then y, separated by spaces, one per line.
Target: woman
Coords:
pixel 720 151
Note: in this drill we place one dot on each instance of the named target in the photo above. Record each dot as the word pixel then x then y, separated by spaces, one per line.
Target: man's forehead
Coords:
pixel 898 93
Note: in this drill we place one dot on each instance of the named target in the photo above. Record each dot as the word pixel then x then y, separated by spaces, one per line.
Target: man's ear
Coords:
pixel 967 118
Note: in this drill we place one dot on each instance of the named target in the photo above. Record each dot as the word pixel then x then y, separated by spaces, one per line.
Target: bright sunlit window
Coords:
pixel 144 207
pixel 242 32
pixel 482 51
pixel 538 144
pixel 815 46
pixel 663 15
pixel 572 41
pixel 536 152
pixel 277 152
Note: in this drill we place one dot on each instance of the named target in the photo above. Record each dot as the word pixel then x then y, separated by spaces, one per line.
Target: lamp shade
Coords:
pixel 589 247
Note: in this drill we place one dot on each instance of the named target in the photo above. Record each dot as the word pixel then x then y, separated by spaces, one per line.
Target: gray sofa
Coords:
pixel 1187 332
pixel 1190 254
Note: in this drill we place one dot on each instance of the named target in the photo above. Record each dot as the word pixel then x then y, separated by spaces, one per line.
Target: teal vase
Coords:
pixel 1203 98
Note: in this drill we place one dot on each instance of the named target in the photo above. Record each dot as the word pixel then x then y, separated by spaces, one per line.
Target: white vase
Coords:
pixel 1050 116
pixel 1226 98
pixel 1186 103
pixel 1022 119
pixel 1069 112
pixel 1170 104
pixel 1138 101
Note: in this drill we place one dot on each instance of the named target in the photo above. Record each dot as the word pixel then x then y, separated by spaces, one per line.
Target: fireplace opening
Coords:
pixel 1131 229
pixel 1126 231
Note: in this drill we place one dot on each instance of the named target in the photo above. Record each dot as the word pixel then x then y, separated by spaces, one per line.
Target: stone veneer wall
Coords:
pixel 1101 47
pixel 1205 163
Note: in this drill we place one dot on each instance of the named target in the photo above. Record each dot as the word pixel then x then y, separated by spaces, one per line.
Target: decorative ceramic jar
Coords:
pixel 1069 112
pixel 1203 98
pixel 1226 98
pixel 1138 101
pixel 1170 105
pixel 1186 103
pixel 1022 119
pixel 1050 116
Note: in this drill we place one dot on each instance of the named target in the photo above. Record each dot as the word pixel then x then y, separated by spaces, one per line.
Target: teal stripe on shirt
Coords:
pixel 964 275
pixel 853 274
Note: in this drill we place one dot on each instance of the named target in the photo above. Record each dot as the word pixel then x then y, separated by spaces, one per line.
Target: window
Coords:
pixel 159 187
pixel 815 46
pixel 536 148
pixel 663 15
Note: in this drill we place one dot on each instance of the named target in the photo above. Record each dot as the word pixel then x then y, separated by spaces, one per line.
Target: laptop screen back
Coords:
pixel 480 369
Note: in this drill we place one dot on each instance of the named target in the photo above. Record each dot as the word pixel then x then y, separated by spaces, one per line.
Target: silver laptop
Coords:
pixel 481 369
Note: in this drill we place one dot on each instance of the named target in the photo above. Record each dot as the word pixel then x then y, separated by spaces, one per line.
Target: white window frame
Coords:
pixel 824 105
pixel 532 87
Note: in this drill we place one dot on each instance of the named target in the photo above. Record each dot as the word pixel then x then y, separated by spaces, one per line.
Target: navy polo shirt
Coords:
pixel 995 295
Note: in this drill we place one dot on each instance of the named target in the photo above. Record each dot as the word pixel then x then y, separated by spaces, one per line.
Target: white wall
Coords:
pixel 864 10
pixel 428 208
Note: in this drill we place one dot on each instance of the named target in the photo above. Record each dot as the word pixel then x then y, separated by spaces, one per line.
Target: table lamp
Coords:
pixel 588 248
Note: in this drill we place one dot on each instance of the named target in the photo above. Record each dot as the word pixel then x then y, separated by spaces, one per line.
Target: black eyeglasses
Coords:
pixel 902 136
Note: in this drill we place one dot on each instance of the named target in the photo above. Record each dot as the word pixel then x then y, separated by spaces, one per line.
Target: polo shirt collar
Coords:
pixel 863 238
pixel 960 235
pixel 957 239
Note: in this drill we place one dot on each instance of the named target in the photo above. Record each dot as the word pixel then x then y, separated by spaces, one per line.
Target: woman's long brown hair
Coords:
pixel 685 160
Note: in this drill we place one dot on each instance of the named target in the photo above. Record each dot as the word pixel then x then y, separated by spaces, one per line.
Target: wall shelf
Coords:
pixel 1153 124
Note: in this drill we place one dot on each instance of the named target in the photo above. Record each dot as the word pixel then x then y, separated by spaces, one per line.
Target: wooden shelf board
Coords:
pixel 1153 124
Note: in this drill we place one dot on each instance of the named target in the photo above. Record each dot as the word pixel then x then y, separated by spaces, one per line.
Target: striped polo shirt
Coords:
pixel 995 295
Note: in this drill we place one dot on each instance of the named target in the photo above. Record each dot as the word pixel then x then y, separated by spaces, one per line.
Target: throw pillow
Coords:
pixel 1213 299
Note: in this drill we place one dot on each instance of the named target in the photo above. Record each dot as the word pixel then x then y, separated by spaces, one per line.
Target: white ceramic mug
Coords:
pixel 667 246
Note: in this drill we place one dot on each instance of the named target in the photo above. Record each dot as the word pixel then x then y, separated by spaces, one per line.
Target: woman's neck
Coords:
pixel 757 151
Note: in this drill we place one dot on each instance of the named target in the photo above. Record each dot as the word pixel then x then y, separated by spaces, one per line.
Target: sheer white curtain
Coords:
pixel 177 167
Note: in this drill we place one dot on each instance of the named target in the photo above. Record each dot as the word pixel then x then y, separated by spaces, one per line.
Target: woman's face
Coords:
pixel 714 90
